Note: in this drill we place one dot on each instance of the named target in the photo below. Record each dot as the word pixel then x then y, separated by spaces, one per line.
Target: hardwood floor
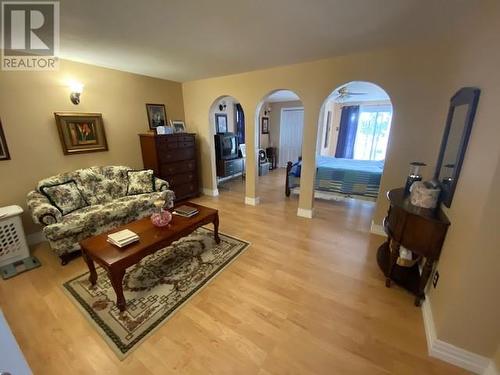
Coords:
pixel 306 298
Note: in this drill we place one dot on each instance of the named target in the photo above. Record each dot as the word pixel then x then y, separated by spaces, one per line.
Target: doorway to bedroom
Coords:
pixel 280 117
pixel 353 135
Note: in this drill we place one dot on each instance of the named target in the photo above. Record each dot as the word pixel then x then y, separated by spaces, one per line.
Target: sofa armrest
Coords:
pixel 160 184
pixel 42 212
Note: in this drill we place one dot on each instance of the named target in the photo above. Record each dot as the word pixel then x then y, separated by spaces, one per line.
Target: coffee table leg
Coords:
pixel 216 228
pixel 91 266
pixel 116 278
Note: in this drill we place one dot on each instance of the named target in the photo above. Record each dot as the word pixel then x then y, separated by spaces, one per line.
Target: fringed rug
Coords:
pixel 154 289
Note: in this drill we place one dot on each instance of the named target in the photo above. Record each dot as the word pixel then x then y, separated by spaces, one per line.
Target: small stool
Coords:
pixel 14 251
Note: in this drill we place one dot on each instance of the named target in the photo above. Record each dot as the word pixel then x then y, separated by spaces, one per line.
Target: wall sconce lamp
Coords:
pixel 76 91
pixel 222 106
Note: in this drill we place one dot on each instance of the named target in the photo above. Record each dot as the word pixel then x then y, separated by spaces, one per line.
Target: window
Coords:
pixel 372 134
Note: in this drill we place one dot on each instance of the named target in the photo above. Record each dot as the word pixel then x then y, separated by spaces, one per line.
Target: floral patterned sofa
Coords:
pixel 75 205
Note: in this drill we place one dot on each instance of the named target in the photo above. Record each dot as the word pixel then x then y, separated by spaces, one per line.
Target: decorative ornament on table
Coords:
pixel 425 194
pixel 414 175
pixel 162 216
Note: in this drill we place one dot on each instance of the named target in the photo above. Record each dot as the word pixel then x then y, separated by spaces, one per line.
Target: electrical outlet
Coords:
pixel 435 279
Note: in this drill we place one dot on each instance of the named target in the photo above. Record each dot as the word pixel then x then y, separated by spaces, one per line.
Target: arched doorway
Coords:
pixel 353 133
pixel 279 124
pixel 226 121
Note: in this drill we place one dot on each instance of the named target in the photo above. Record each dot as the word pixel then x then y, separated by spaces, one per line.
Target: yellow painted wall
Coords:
pixel 28 101
pixel 466 303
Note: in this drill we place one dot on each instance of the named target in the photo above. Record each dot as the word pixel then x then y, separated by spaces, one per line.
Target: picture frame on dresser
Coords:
pixel 4 149
pixel 178 126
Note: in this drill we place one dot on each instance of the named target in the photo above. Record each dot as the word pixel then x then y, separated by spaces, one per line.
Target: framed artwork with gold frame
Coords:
pixel 81 132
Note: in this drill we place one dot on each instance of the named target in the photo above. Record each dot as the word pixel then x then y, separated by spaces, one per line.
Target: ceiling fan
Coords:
pixel 344 93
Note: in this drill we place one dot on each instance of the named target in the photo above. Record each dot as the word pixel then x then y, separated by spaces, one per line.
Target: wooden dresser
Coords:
pixel 420 230
pixel 172 157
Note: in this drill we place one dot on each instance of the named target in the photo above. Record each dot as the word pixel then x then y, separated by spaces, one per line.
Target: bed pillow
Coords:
pixel 66 197
pixel 140 182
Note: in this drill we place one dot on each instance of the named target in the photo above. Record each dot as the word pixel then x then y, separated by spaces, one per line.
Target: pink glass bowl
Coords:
pixel 162 218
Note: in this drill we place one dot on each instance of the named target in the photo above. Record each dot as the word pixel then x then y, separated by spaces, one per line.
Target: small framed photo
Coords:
pixel 4 150
pixel 81 132
pixel 265 125
pixel 178 126
pixel 157 115
pixel 221 122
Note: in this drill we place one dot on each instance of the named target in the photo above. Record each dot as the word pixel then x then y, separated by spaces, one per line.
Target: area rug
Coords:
pixel 154 289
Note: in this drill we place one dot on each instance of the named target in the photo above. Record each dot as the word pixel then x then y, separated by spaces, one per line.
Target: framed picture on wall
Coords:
pixel 265 125
pixel 157 115
pixel 221 122
pixel 4 150
pixel 81 132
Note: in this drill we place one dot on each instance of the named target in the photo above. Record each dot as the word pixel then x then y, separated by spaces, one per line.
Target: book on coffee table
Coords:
pixel 186 211
pixel 122 238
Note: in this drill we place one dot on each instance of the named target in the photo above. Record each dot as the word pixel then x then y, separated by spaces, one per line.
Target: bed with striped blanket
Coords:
pixel 347 177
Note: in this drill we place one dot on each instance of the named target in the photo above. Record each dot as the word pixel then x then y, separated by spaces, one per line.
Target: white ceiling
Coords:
pixel 282 96
pixel 190 39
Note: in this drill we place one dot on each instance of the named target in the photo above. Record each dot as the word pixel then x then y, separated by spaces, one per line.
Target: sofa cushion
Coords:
pixel 66 196
pixel 140 182
pixel 101 185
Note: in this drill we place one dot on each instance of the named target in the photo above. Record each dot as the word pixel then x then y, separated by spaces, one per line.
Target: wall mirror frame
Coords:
pixel 456 135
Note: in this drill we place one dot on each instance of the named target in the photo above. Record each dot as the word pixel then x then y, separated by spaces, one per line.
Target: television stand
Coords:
pixel 227 168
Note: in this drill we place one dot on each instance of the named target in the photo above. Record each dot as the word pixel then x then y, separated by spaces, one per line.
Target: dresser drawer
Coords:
pixel 166 143
pixel 186 138
pixel 177 167
pixel 185 190
pixel 179 179
pixel 176 155
pixel 185 144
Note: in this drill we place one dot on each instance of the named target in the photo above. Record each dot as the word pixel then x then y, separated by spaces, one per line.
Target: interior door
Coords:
pixel 291 129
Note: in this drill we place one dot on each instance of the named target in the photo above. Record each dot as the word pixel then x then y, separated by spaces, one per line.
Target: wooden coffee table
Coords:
pixel 116 260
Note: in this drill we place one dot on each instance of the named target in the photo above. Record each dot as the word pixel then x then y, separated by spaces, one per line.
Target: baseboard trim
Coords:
pixel 377 229
pixel 304 212
pixel 210 192
pixel 252 201
pixel 35 238
pixel 448 352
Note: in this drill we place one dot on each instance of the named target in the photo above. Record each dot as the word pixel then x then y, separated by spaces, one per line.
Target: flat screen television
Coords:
pixel 226 146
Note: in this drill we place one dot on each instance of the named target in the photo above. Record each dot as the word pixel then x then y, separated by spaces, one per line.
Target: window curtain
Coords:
pixel 240 123
pixel 347 132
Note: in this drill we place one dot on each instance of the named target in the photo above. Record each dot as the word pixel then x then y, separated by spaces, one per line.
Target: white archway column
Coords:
pixel 308 171
pixel 251 143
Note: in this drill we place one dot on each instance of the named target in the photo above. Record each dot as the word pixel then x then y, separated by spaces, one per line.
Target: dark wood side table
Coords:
pixel 116 260
pixel 417 229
